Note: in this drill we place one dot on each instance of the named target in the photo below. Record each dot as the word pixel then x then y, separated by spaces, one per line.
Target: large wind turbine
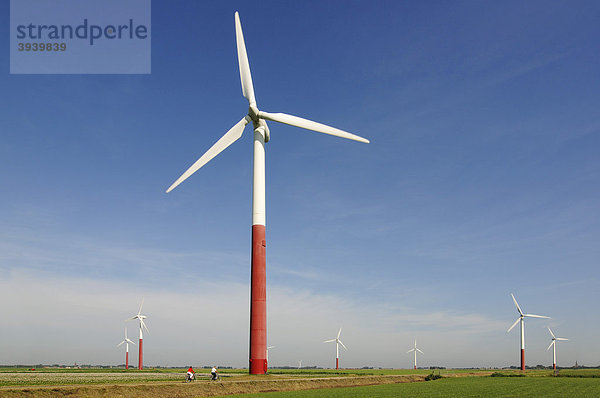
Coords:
pixel 142 327
pixel 415 351
pixel 127 342
pixel 337 348
pixel 258 314
pixel 521 320
pixel 553 345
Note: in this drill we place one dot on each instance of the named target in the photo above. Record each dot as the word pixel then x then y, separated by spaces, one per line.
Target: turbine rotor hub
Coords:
pixel 253 112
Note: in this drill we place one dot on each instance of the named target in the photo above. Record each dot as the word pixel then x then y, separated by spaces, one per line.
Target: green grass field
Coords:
pixel 493 387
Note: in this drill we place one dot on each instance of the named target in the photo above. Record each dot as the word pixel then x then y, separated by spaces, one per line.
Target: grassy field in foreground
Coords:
pixel 369 372
pixel 493 387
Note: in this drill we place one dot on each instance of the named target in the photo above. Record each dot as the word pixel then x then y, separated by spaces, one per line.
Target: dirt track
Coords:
pixel 203 388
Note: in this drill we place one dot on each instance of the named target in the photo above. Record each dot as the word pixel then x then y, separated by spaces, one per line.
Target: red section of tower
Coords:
pixel 258 302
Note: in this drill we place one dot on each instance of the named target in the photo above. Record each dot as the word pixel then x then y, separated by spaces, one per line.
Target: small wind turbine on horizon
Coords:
pixel 142 327
pixel 258 299
pixel 299 364
pixel 553 345
pixel 126 342
pixel 521 319
pixel 267 353
pixel 415 349
pixel 337 348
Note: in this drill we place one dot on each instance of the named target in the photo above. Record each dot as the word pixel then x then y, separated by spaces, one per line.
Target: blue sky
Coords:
pixel 481 179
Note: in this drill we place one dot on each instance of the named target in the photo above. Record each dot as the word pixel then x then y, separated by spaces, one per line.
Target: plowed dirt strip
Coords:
pixel 202 389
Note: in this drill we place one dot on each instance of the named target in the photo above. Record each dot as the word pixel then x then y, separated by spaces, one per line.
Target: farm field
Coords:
pixel 58 376
pixel 297 383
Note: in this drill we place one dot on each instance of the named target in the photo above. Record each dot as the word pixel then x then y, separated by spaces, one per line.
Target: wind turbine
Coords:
pixel 521 320
pixel 337 348
pixel 553 345
pixel 267 353
pixel 142 327
pixel 299 364
pixel 415 351
pixel 258 307
pixel 126 341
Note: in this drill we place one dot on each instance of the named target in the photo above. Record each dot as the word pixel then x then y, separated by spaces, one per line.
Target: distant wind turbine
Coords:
pixel 127 342
pixel 337 348
pixel 553 345
pixel 299 364
pixel 520 319
pixel 258 298
pixel 267 353
pixel 415 351
pixel 142 327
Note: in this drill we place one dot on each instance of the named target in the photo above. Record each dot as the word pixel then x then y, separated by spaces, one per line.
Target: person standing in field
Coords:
pixel 213 372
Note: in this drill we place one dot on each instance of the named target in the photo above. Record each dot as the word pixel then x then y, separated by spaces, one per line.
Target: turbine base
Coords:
pixel 522 359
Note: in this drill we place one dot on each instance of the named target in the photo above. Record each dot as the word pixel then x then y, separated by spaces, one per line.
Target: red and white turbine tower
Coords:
pixel 415 349
pixel 141 341
pixel 337 348
pixel 521 319
pixel 258 288
pixel 126 342
pixel 553 345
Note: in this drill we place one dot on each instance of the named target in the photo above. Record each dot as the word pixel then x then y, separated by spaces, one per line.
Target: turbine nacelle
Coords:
pixel 522 316
pixel 337 340
pixel 126 340
pixel 141 318
pixel 262 125
pixel 554 339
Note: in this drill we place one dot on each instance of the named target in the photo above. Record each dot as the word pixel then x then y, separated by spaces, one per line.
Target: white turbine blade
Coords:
pixel 229 138
pixel 550 345
pixel 553 336
pixel 329 341
pixel 343 344
pixel 516 304
pixel 339 333
pixel 561 339
pixel 141 305
pixel 131 319
pixel 121 343
pixel 144 325
pixel 130 342
pixel 513 325
pixel 420 351
pixel 245 76
pixel 310 125
pixel 268 348
pixel 411 350
pixel 536 316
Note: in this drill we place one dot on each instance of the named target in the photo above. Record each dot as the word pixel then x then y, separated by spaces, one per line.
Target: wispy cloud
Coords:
pixel 81 319
pixel 67 254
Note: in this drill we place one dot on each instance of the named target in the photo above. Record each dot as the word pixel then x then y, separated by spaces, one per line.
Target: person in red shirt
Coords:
pixel 190 374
